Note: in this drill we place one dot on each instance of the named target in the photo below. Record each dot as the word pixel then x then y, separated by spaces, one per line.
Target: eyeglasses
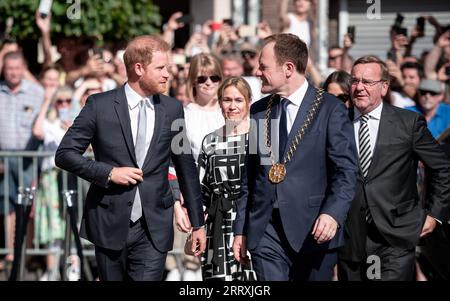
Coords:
pixel 332 58
pixel 425 92
pixel 63 100
pixel 343 97
pixel 214 78
pixel 228 52
pixel 365 82
pixel 248 54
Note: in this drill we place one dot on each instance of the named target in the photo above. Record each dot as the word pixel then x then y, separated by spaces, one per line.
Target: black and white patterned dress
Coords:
pixel 221 161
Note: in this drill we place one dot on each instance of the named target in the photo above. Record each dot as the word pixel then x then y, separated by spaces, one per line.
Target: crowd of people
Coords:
pixel 280 171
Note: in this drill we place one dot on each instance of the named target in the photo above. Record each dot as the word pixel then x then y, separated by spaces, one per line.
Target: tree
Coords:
pixel 108 20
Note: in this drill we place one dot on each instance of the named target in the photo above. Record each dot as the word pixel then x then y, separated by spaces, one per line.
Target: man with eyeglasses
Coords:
pixel 386 220
pixel 437 113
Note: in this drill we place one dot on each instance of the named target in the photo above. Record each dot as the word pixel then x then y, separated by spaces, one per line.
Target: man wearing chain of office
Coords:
pixel 300 172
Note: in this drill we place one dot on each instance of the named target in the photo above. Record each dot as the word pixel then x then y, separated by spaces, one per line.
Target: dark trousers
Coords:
pixel 384 262
pixel 275 260
pixel 138 261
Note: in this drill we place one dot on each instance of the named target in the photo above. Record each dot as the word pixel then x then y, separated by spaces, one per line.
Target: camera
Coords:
pixel 215 26
pixel 399 20
pixel 96 52
pixel 247 31
pixel 44 8
pixel 185 19
pixel 351 33
pixel 420 24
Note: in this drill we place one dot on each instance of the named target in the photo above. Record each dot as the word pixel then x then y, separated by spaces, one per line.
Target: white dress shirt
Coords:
pixel 295 100
pixel 133 99
pixel 373 123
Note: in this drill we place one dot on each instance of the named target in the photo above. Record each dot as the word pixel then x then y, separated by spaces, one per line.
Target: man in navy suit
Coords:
pixel 295 198
pixel 129 206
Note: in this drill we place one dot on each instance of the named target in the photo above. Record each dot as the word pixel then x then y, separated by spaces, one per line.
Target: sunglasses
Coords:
pixel 228 52
pixel 425 92
pixel 214 78
pixel 332 58
pixel 63 100
pixel 248 54
pixel 343 97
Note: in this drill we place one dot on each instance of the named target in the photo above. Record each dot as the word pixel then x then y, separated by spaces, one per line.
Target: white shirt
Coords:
pixel 200 123
pixel 133 99
pixel 401 101
pixel 373 123
pixel 299 28
pixel 295 100
pixel 53 134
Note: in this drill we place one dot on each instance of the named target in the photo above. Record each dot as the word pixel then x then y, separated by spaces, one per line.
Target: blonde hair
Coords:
pixel 52 113
pixel 240 84
pixel 201 63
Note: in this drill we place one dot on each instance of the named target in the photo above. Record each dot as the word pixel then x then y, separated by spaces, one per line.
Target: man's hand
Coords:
pixel 172 24
pixel 126 176
pixel 428 227
pixel 240 249
pixel 43 23
pixel 324 228
pixel 198 241
pixel 181 217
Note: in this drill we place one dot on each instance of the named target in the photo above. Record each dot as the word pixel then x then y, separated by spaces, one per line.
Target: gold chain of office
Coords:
pixel 277 172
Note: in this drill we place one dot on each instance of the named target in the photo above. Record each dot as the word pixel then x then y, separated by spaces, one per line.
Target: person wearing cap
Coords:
pixel 249 53
pixel 386 218
pixel 432 107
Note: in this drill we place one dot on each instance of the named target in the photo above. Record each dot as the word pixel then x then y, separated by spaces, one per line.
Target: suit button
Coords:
pixel 130 203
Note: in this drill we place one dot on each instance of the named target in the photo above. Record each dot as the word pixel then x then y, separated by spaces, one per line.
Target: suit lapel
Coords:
pixel 121 107
pixel 160 116
pixel 301 114
pixel 385 127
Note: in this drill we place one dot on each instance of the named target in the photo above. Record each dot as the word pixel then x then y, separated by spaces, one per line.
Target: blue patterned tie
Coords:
pixel 283 132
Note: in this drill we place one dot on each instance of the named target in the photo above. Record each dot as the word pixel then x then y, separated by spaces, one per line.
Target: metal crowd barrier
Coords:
pixel 66 197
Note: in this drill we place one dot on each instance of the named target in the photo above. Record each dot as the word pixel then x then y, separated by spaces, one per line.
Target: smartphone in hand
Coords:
pixel 185 19
pixel 45 7
pixel 351 33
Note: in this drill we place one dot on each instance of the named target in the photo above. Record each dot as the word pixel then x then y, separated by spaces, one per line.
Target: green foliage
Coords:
pixel 108 20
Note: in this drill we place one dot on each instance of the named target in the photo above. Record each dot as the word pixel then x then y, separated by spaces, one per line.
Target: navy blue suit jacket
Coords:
pixel 320 178
pixel 104 122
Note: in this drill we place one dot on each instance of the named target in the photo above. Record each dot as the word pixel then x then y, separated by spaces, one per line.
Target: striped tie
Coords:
pixel 365 154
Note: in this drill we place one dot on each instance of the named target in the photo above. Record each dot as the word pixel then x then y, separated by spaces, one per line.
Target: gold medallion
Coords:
pixel 277 173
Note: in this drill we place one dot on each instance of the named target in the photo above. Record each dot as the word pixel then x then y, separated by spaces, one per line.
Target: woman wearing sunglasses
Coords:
pixel 50 126
pixel 203 114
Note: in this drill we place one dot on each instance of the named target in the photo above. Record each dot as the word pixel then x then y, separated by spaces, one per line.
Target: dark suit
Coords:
pixel 105 123
pixel 320 179
pixel 391 193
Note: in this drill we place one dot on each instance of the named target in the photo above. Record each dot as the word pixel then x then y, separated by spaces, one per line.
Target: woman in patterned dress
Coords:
pixel 50 126
pixel 221 160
